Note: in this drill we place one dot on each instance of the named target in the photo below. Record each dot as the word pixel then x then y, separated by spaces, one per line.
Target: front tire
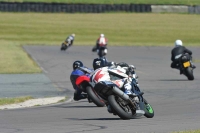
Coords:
pixel 189 73
pixel 63 47
pixel 94 97
pixel 118 109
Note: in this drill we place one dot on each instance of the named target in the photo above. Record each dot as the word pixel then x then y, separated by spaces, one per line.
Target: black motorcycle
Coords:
pixel 186 66
pixel 65 45
pixel 102 51
pixel 123 105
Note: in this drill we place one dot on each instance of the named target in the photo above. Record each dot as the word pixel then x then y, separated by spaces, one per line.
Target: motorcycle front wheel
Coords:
pixel 124 112
pixel 63 47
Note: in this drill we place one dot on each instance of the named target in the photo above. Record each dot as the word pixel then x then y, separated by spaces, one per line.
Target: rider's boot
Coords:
pixel 109 109
pixel 181 71
pixel 89 100
pixel 193 66
pixel 79 97
pixel 76 97
pixel 83 96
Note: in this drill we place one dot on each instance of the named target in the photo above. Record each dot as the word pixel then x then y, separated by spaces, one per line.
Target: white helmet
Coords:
pixel 73 35
pixel 101 35
pixel 178 43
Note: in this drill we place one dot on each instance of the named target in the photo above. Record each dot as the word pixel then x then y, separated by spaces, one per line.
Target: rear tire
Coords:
pixel 118 109
pixel 94 97
pixel 94 49
pixel 149 112
pixel 189 73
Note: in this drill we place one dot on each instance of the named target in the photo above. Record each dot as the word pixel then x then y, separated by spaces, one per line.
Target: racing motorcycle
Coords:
pixel 102 51
pixel 65 45
pixel 121 104
pixel 84 83
pixel 185 65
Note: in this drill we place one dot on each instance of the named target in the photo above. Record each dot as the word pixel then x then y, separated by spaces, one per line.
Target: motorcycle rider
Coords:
pixel 78 70
pixel 176 53
pixel 125 72
pixel 102 41
pixel 121 74
pixel 69 40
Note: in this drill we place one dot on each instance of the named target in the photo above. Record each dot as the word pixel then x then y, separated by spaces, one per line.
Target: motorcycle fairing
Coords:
pixel 80 79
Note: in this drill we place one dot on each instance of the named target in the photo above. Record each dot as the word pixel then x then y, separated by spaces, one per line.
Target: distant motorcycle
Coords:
pixel 186 66
pixel 65 45
pixel 84 83
pixel 102 51
pixel 123 105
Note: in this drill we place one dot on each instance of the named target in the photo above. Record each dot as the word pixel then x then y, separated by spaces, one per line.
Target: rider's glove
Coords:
pixel 127 86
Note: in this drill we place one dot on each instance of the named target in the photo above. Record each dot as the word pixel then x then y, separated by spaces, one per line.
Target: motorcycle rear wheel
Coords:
pixel 118 109
pixel 63 47
pixel 189 73
pixel 94 97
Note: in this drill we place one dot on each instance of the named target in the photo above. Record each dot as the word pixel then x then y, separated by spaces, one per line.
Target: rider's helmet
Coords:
pixel 123 64
pixel 178 43
pixel 73 35
pixel 101 35
pixel 77 64
pixel 129 68
pixel 99 62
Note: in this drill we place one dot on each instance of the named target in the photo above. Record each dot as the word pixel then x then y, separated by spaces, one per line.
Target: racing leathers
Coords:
pixel 115 74
pixel 101 42
pixel 69 40
pixel 121 76
pixel 78 95
pixel 176 54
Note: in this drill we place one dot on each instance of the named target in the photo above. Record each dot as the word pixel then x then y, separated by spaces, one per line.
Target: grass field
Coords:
pixel 183 2
pixel 145 29
pixel 5 101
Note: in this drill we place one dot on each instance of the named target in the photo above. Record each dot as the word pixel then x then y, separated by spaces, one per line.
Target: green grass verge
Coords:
pixel 5 101
pixel 130 29
pixel 14 60
pixel 120 28
pixel 63 100
pixel 183 2
pixel 190 131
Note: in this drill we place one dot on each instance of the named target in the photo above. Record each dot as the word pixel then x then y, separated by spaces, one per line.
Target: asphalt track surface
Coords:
pixel 175 99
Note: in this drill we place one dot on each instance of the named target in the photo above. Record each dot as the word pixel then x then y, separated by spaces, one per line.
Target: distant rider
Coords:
pixel 101 42
pixel 70 39
pixel 178 50
pixel 78 70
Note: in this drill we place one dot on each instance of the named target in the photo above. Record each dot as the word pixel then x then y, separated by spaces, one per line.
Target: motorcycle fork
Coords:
pixel 125 103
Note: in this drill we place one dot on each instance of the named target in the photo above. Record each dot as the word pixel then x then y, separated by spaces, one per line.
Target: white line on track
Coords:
pixel 39 65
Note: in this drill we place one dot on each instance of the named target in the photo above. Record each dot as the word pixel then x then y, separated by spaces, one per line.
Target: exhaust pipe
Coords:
pixel 120 93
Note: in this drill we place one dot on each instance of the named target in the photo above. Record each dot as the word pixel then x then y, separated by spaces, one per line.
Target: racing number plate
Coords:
pixel 186 64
